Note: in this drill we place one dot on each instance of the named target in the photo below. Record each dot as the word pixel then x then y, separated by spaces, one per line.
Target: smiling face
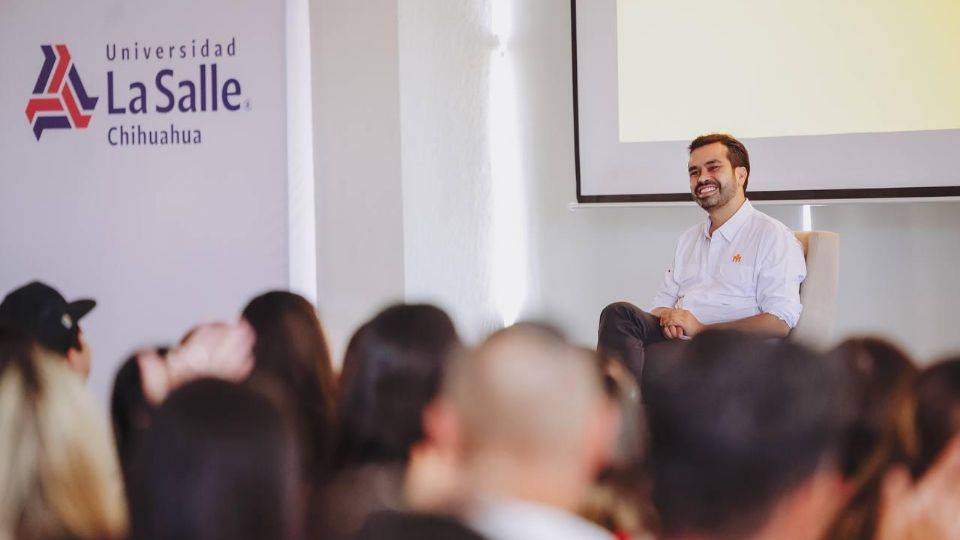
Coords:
pixel 714 182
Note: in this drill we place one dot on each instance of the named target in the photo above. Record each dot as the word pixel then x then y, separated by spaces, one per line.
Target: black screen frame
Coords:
pixel 784 195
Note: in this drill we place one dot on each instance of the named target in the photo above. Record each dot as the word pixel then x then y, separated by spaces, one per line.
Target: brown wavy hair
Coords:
pixel 883 434
pixel 291 354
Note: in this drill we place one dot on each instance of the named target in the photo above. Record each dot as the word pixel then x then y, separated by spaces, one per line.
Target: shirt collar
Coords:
pixel 507 518
pixel 733 225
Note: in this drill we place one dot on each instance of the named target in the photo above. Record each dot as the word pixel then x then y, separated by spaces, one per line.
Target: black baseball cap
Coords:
pixel 42 312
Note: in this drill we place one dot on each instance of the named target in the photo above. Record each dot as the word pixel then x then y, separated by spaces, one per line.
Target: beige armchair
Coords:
pixel 818 293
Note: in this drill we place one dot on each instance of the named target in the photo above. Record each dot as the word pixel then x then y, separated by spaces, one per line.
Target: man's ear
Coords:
pixel 78 356
pixel 78 361
pixel 895 486
pixel 441 426
pixel 435 480
pixel 811 505
pixel 741 175
pixel 603 435
pixel 73 358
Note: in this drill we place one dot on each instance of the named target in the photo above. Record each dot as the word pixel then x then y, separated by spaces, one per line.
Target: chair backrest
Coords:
pixel 818 293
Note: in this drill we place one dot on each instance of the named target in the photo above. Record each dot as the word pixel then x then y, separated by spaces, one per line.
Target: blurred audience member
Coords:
pixel 130 411
pixel 527 415
pixel 42 313
pixel 928 509
pixel 883 435
pixel 59 477
pixel 619 500
pixel 746 438
pixel 938 411
pixel 926 506
pixel 392 369
pixel 219 462
pixel 291 352
pixel 217 350
pixel 394 525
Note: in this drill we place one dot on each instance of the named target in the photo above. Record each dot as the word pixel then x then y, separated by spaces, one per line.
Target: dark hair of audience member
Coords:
pixel 393 368
pixel 218 463
pixel 291 352
pixel 938 410
pixel 882 435
pixel 130 413
pixel 736 423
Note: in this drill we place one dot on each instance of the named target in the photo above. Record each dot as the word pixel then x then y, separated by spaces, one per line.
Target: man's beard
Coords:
pixel 720 197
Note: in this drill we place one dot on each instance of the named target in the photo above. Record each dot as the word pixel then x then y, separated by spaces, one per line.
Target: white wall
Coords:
pixel 899 272
pixel 161 236
pixel 445 153
pixel 356 161
pixel 897 259
pixel 403 200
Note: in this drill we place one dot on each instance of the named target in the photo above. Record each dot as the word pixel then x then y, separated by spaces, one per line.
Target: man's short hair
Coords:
pixel 525 386
pixel 736 423
pixel 736 151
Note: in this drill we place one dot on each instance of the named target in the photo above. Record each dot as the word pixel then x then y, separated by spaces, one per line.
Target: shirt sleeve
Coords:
pixel 781 272
pixel 667 297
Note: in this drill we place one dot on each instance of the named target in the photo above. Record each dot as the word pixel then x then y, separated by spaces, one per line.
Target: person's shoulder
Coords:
pixel 395 525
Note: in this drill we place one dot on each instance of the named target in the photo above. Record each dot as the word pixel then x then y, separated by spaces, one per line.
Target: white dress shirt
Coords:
pixel 513 519
pixel 752 264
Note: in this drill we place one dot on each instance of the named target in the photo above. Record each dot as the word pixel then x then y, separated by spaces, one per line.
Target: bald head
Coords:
pixel 527 391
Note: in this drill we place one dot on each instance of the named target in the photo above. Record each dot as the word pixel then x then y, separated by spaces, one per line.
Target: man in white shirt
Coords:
pixel 739 270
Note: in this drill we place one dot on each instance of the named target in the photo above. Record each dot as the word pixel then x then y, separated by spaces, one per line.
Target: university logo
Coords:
pixel 59 100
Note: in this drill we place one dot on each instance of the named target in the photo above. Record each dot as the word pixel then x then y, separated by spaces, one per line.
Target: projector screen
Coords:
pixel 834 100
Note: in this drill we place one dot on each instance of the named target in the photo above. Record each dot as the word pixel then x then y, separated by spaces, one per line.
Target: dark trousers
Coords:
pixel 632 334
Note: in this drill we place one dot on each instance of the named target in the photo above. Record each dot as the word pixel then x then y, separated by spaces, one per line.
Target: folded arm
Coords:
pixel 680 322
pixel 763 324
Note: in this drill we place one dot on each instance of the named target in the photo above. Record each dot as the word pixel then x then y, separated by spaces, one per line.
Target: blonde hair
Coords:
pixel 59 476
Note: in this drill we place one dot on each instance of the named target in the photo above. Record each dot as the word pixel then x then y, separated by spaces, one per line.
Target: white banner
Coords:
pixel 143 160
